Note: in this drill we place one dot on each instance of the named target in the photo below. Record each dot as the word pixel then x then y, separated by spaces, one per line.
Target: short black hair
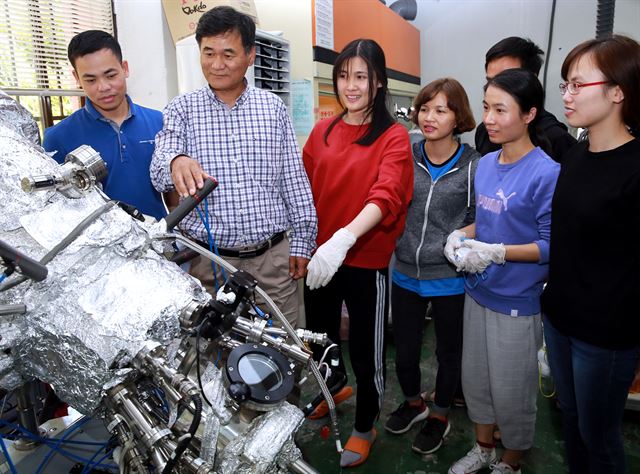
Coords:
pixel 220 20
pixel 91 41
pixel 529 54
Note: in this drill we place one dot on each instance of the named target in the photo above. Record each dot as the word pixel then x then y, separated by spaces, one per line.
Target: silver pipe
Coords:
pixel 329 399
pixel 301 467
pixel 26 416
pixel 7 309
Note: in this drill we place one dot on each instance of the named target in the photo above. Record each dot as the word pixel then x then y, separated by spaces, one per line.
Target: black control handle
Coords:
pixel 27 266
pixel 190 203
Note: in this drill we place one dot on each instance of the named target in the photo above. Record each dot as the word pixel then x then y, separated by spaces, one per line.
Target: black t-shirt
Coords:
pixel 556 132
pixel 594 271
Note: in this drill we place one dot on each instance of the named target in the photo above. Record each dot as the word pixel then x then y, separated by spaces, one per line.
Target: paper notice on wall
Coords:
pixel 302 106
pixel 324 23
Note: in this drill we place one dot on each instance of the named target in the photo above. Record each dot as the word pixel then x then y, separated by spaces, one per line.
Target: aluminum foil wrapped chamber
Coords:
pixel 105 295
pixel 108 298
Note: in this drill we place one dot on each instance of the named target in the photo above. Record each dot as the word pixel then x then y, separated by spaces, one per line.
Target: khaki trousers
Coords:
pixel 271 270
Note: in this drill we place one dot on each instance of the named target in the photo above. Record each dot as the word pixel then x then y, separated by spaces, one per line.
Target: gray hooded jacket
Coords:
pixel 437 209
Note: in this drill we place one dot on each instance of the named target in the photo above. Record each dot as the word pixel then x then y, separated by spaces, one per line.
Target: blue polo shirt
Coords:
pixel 126 150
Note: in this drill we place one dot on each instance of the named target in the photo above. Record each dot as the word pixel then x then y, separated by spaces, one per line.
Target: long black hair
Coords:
pixel 373 56
pixel 526 90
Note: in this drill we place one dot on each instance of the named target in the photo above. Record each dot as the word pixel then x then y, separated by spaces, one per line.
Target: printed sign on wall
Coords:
pixel 324 23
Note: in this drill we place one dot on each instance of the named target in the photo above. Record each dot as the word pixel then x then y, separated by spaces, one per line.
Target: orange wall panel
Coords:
pixel 399 39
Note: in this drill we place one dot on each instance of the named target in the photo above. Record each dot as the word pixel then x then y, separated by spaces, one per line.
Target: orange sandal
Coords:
pixel 360 446
pixel 323 409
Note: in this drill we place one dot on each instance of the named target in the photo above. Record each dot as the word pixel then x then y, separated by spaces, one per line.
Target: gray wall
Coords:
pixel 455 35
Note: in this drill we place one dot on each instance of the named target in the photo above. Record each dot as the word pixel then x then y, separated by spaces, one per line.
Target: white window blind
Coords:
pixel 34 35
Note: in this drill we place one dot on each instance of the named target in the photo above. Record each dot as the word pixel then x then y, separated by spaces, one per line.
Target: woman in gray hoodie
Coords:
pixel 443 201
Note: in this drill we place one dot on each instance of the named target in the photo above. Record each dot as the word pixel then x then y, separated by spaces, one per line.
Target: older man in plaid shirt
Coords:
pixel 243 137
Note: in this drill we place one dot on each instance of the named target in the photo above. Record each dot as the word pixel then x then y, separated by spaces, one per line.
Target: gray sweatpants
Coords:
pixel 500 371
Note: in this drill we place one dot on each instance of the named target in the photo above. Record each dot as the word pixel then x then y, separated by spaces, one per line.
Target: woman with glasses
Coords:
pixel 505 253
pixel 591 324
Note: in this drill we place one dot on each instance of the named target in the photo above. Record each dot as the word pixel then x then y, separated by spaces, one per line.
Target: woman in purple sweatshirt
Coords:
pixel 506 256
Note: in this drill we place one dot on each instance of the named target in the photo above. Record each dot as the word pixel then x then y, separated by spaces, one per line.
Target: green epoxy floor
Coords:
pixel 393 454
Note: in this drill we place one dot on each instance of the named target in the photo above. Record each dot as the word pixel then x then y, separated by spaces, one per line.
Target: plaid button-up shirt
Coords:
pixel 251 150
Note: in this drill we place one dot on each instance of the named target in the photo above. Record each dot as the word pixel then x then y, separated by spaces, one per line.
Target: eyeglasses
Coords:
pixel 574 87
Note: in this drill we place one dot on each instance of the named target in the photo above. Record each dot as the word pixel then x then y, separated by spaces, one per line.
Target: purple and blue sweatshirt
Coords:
pixel 513 206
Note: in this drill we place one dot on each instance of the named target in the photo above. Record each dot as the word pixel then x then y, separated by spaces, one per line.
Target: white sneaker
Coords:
pixel 503 468
pixel 475 460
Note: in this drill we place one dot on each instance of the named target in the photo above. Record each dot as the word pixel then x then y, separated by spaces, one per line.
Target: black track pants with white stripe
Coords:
pixel 365 294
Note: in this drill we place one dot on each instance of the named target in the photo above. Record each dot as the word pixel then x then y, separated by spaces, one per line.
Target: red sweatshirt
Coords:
pixel 346 176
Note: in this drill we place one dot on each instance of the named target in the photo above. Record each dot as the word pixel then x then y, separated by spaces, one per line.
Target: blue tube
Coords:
pixel 28 434
pixel 53 449
pixel 90 464
pixel 12 468
pixel 55 444
pixel 204 217
pixel 99 461
pixel 80 459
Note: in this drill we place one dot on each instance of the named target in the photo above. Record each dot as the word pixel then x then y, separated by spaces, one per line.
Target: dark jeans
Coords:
pixel 592 385
pixel 408 311
pixel 365 293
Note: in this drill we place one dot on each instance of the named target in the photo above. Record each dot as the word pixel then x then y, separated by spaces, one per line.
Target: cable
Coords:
pixel 99 461
pixel 28 434
pixel 53 450
pixel 261 313
pixel 545 395
pixel 12 468
pixel 55 444
pixel 88 467
pixel 163 399
pixel 212 243
pixel 185 439
pixel 198 364
pixel 546 63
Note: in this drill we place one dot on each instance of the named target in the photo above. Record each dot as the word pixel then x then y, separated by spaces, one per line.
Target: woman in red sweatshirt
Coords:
pixel 361 173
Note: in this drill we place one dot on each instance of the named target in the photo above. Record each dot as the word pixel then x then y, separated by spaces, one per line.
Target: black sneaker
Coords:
pixel 431 435
pixel 401 420
pixel 458 401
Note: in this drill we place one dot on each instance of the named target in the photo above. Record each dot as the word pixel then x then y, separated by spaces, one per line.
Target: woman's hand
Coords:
pixel 328 258
pixel 454 242
pixel 496 253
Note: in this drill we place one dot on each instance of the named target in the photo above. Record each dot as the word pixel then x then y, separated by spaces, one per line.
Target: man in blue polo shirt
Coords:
pixel 121 131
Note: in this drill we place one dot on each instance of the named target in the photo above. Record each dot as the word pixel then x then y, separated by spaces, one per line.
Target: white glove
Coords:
pixel 454 242
pixel 472 261
pixel 328 258
pixel 495 252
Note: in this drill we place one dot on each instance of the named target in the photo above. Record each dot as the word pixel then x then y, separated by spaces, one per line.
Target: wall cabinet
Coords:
pixel 272 70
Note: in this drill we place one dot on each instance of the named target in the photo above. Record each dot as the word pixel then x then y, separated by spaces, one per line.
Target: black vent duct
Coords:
pixel 604 17
pixel 407 9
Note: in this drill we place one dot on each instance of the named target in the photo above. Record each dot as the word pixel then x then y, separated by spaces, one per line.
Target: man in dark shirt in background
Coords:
pixel 515 52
